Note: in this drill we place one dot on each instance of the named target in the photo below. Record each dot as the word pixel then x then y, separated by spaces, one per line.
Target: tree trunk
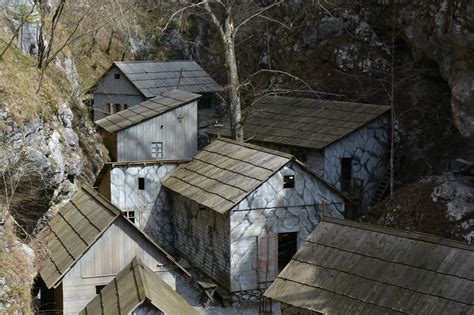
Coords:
pixel 233 81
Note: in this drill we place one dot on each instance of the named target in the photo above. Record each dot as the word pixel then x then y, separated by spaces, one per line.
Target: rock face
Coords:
pixel 457 192
pixel 442 31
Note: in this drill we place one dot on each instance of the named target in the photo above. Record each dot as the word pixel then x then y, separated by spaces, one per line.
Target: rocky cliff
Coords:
pixel 443 32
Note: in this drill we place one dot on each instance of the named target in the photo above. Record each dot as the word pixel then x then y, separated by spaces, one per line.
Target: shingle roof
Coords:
pixel 134 285
pixel 225 172
pixel 304 122
pixel 74 229
pixel 148 109
pixel 345 267
pixel 152 78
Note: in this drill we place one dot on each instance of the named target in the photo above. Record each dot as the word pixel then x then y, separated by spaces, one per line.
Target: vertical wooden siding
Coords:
pixel 177 129
pixel 117 91
pixel 107 257
pixel 194 227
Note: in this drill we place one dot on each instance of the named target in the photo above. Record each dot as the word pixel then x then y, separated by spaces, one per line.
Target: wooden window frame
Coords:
pixel 131 216
pixel 157 150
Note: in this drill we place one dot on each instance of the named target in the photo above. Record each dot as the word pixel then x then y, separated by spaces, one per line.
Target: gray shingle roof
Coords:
pixel 74 229
pixel 304 122
pixel 134 285
pixel 346 267
pixel 148 109
pixel 152 78
pixel 225 172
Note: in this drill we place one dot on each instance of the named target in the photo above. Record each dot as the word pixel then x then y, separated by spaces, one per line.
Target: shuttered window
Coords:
pixel 157 150
pixel 267 259
pixel 106 108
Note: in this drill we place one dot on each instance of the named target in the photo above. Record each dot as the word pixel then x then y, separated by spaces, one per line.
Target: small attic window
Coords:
pixel 289 181
pixel 117 76
pixel 141 183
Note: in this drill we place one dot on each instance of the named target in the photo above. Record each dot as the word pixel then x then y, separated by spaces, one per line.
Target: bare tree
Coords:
pixel 48 49
pixel 228 17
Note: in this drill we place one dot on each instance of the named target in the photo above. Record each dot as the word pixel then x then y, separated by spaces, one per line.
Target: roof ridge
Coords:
pixel 94 194
pixel 139 266
pixel 321 100
pixel 414 235
pixel 134 110
pixel 152 61
pixel 257 148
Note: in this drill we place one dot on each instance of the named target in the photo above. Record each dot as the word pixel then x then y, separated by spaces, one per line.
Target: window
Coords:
pixel 157 150
pixel 125 106
pixel 130 215
pixel 287 245
pixel 289 181
pixel 346 174
pixel 115 108
pixel 106 108
pixel 141 183
pixel 99 288
pixel 117 76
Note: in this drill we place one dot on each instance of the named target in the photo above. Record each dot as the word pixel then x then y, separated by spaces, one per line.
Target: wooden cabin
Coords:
pixel 126 84
pixel 345 143
pixel 162 128
pixel 347 267
pixel 241 211
pixel 138 290
pixel 86 245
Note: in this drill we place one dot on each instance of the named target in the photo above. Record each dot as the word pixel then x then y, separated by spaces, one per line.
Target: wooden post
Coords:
pixel 322 205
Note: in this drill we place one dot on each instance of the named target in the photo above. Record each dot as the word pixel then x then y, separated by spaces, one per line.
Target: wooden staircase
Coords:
pixel 383 186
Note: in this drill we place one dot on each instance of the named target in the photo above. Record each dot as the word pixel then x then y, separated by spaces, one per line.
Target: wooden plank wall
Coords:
pixel 193 228
pixel 117 91
pixel 177 129
pixel 110 254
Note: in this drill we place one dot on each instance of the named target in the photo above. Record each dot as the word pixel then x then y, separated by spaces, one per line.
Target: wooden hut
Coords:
pixel 241 211
pixel 126 84
pixel 138 290
pixel 162 128
pixel 86 245
pixel 346 267
pixel 346 143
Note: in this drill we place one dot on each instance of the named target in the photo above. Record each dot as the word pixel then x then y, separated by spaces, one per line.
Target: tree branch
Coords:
pixel 256 15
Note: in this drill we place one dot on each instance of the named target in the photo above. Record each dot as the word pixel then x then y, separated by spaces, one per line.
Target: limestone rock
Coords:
pixel 445 35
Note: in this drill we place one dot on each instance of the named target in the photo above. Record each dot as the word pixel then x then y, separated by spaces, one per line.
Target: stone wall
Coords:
pixel 368 148
pixel 273 209
pixel 201 235
pixel 312 158
pixel 151 205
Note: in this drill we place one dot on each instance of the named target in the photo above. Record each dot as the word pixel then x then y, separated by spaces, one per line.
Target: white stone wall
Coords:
pixel 151 205
pixel 369 149
pixel 274 209
pixel 312 158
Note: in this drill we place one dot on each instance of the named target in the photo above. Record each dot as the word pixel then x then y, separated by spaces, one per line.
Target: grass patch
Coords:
pixel 20 78
pixel 17 271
